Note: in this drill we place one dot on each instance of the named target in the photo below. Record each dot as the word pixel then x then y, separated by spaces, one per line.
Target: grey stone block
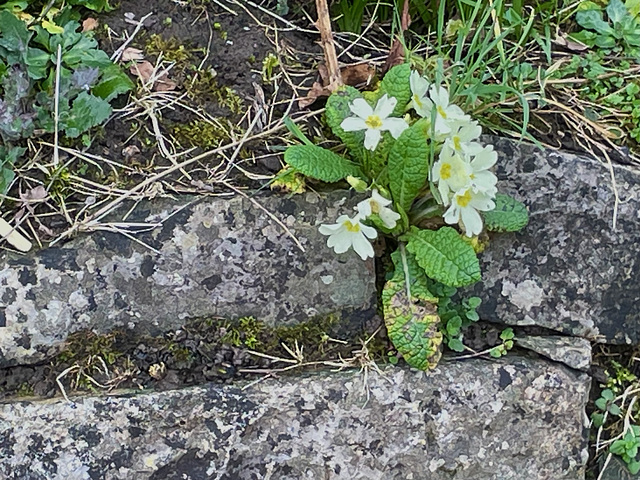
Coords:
pixel 572 351
pixel 569 270
pixel 215 257
pixel 511 419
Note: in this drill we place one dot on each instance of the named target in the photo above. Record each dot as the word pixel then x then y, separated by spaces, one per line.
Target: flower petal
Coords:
pixel 395 126
pixel 376 197
pixel 361 108
pixel 385 106
pixel 419 84
pixel 484 159
pixel 389 217
pixel 364 208
pixel 353 124
pixel 341 242
pixel 362 247
pixel 452 215
pixel 471 220
pixel 368 231
pixel 371 139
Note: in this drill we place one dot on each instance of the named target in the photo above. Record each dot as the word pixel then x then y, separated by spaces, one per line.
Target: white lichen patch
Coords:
pixel 525 295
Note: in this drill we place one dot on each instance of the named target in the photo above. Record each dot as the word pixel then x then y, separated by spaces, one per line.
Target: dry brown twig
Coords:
pixel 326 39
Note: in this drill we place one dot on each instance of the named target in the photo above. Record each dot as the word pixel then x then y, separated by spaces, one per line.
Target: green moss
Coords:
pixel 203 134
pixel 205 88
pixel 25 390
pixel 172 50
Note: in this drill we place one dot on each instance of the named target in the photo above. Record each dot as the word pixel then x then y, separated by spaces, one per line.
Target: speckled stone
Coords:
pixel 512 419
pixel 572 351
pixel 220 257
pixel 568 270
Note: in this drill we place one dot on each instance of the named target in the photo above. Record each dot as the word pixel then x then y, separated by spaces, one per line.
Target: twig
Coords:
pixel 118 53
pixel 56 109
pixel 326 38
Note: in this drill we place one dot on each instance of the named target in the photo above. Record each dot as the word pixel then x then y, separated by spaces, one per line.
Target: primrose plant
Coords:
pixel 431 191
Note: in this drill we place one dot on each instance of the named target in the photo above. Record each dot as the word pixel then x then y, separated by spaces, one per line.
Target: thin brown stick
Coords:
pixel 326 39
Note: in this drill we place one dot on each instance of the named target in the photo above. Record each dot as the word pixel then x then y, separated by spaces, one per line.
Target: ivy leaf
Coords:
pixel 408 165
pixel 413 327
pixel 396 84
pixel 444 256
pixel 510 215
pixel 319 163
pixel 87 112
pixel 337 110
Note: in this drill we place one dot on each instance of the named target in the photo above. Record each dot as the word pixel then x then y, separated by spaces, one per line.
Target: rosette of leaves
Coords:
pixel 431 258
pixel 620 32
pixel 88 81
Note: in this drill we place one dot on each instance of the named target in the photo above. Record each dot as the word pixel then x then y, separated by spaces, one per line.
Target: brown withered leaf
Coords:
pixel 355 75
pixel 570 44
pixel 396 52
pixel 131 53
pixel 145 71
pixel 89 24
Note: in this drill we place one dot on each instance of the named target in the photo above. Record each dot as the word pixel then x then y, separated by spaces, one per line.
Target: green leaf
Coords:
pixel 412 327
pixel 407 268
pixel 592 19
pixel 507 334
pixel 113 82
pixel 585 36
pixel 497 352
pixel 337 110
pixel 607 394
pixel 15 36
pixel 87 112
pixel 472 315
pixel 474 302
pixel 510 215
pixel 456 345
pixel 601 403
pixel 453 326
pixel 633 6
pixel 616 11
pixel 598 419
pixel 396 84
pixel 444 256
pixel 95 5
pixel 618 447
pixel 605 41
pixel 319 163
pixel 8 158
pixel 408 165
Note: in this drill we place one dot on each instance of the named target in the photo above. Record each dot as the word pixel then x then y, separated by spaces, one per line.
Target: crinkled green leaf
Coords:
pixel 412 323
pixel 616 11
pixel 408 267
pixel 444 256
pixel 592 19
pixel 510 215
pixel 337 110
pixel 633 6
pixel 605 41
pixel 408 165
pixel 14 37
pixel 396 84
pixel 113 82
pixel 319 163
pixel 86 112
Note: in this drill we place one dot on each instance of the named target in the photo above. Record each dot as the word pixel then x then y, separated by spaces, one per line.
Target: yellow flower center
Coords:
pixel 442 113
pixel 456 143
pixel 373 121
pixel 375 207
pixel 416 100
pixel 463 200
pixel 445 171
pixel 352 227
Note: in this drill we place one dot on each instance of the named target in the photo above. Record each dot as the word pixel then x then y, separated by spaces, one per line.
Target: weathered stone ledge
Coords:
pixel 218 257
pixel 511 419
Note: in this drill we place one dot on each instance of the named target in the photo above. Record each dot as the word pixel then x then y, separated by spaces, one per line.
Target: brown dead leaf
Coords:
pixel 396 52
pixel 131 53
pixel 89 24
pixel 567 42
pixel 130 151
pixel 146 72
pixel 355 75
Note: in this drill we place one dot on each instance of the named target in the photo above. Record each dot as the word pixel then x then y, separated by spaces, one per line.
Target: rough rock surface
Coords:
pixel 573 352
pixel 475 420
pixel 569 270
pixel 214 257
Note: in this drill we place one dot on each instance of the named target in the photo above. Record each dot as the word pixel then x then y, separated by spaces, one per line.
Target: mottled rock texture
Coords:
pixel 214 257
pixel 572 351
pixel 569 270
pixel 475 420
